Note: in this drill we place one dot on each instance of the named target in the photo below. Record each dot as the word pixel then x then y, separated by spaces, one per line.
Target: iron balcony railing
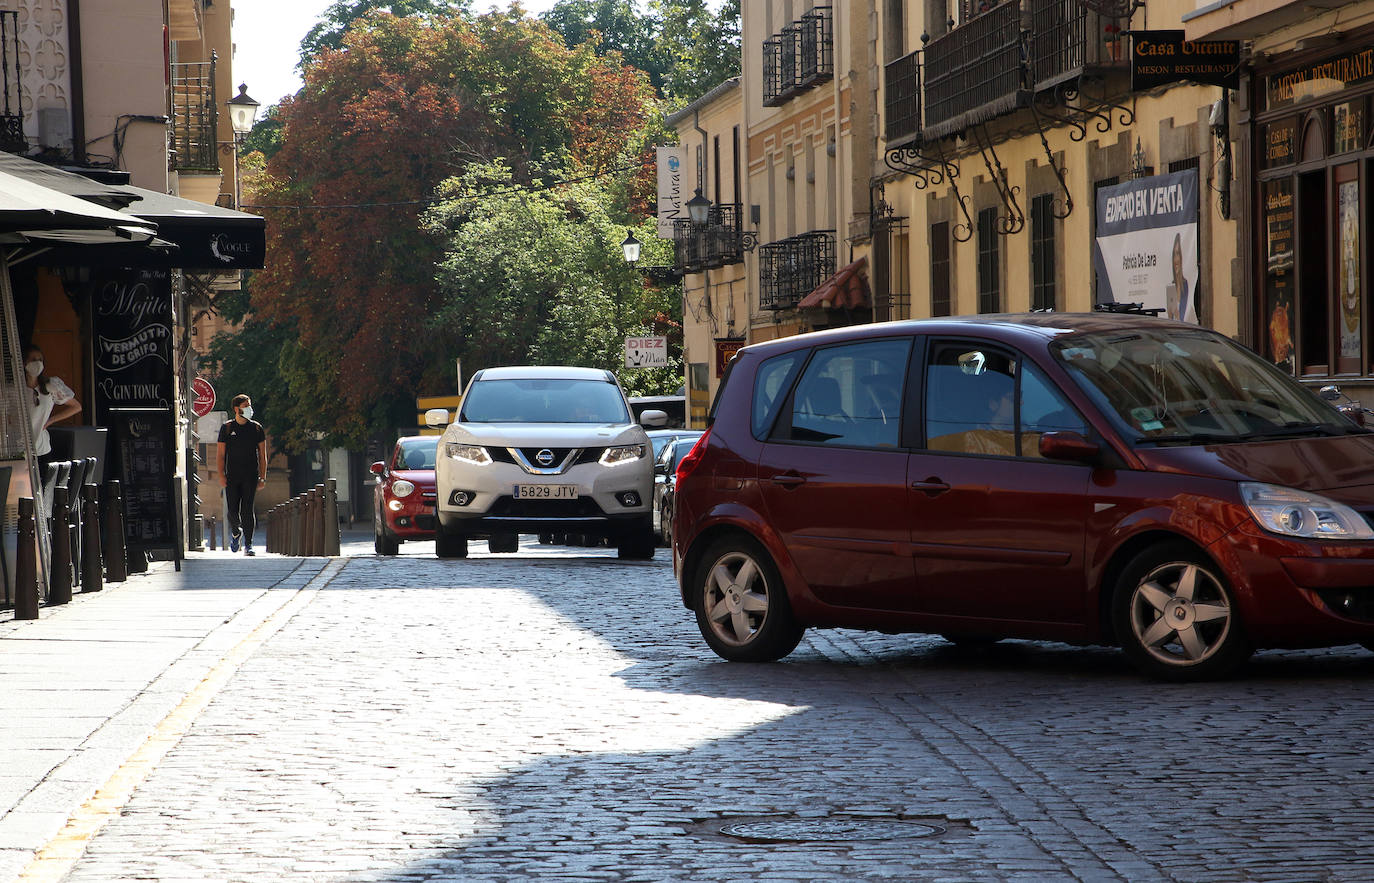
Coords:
pixel 902 85
pixel 195 118
pixel 1067 39
pixel 976 72
pixel 717 243
pixel 12 113
pixel 799 56
pixel 792 268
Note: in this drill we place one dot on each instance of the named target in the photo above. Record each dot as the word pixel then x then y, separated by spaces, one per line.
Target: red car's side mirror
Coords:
pixel 377 468
pixel 1068 445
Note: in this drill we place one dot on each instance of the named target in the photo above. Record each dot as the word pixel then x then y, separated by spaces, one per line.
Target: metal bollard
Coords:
pixel 91 571
pixel 331 517
pixel 26 564
pixel 115 566
pixel 210 532
pixel 60 579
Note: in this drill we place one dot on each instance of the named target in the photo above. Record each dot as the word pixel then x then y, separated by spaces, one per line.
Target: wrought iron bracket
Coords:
pixel 1079 102
pixel 927 170
pixel 1014 220
pixel 1060 208
pixel 748 240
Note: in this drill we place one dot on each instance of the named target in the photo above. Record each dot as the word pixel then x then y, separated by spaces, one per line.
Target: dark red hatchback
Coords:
pixel 1093 478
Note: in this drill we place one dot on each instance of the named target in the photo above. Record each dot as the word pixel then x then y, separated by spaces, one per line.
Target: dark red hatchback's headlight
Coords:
pixel 692 460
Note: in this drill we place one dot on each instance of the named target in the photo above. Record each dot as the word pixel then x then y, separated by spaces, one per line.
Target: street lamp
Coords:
pixel 699 209
pixel 631 248
pixel 243 112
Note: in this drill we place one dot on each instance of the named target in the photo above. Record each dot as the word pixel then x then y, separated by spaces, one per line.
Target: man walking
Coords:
pixel 242 451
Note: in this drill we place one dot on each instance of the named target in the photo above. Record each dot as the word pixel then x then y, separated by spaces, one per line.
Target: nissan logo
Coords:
pixel 544 457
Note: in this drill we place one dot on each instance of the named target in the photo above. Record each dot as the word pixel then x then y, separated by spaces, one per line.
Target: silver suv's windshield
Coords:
pixel 1182 386
pixel 544 401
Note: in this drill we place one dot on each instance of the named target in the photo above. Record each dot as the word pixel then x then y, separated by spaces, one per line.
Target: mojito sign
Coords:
pixel 1145 251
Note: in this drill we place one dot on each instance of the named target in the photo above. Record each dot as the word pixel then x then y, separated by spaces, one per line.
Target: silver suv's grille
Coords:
pixel 545 461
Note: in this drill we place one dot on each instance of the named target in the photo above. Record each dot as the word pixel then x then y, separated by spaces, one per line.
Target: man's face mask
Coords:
pixel 247 412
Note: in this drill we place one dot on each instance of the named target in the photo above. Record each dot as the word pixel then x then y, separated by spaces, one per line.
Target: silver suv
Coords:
pixel 545 450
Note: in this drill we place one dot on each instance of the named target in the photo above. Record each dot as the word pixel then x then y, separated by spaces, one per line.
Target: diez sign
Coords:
pixel 646 352
pixel 1161 57
pixel 204 393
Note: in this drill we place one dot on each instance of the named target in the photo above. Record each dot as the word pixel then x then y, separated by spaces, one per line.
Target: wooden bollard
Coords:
pixel 320 547
pixel 331 518
pixel 60 577
pixel 91 570
pixel 115 567
pixel 26 563
pixel 297 535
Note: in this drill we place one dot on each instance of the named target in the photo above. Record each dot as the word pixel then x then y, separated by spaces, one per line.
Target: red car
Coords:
pixel 403 498
pixel 1096 478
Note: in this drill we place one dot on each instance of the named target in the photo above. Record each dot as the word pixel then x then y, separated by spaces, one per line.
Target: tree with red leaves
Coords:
pixel 404 104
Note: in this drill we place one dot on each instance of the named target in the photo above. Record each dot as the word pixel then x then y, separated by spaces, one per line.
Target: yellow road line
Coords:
pixel 52 862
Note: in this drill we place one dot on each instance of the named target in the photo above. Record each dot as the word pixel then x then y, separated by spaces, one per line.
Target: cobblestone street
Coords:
pixel 554 715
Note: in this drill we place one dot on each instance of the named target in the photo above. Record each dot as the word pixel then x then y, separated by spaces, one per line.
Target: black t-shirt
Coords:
pixel 241 442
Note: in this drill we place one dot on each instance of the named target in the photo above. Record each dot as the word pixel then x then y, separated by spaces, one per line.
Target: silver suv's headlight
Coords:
pixel 621 454
pixel 1295 513
pixel 402 488
pixel 467 453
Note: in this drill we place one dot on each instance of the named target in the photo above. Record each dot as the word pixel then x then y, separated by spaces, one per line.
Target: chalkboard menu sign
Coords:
pixel 145 451
pixel 133 338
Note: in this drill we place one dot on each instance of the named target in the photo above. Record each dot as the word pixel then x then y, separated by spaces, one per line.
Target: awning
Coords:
pixel 208 237
pixel 194 235
pixel 200 237
pixel 31 212
pixel 847 289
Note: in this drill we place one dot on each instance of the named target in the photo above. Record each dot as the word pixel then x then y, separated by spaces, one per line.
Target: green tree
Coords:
pixel 685 46
pixel 328 32
pixel 538 277
pixel 699 48
pixel 612 26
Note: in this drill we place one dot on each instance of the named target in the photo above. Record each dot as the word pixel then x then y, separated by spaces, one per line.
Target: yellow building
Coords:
pixel 912 159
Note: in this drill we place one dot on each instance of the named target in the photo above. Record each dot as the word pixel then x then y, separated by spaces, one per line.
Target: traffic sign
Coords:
pixel 204 394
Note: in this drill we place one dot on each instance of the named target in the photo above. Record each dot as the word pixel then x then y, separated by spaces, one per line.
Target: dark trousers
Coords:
pixel 238 501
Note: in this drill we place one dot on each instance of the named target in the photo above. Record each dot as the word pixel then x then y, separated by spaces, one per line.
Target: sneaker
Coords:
pixel 248 550
pixel 234 543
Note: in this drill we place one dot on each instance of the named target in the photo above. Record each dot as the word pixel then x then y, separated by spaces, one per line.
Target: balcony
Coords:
pixel 976 72
pixel 195 119
pixel 902 85
pixel 798 57
pixel 1068 40
pixel 12 111
pixel 717 243
pixel 792 268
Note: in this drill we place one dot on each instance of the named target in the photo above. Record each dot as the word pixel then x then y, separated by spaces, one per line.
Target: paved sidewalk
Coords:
pixel 86 685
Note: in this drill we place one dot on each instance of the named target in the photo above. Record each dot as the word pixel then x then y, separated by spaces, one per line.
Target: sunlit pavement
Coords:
pixel 553 714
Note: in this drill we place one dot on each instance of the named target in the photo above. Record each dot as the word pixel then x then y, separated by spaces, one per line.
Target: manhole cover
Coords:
pixel 828 830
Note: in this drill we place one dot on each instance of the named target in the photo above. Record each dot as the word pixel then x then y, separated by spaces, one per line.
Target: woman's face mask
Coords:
pixel 34 368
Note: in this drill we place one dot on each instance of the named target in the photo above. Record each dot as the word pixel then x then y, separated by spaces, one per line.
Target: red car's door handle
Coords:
pixel 932 486
pixel 788 480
